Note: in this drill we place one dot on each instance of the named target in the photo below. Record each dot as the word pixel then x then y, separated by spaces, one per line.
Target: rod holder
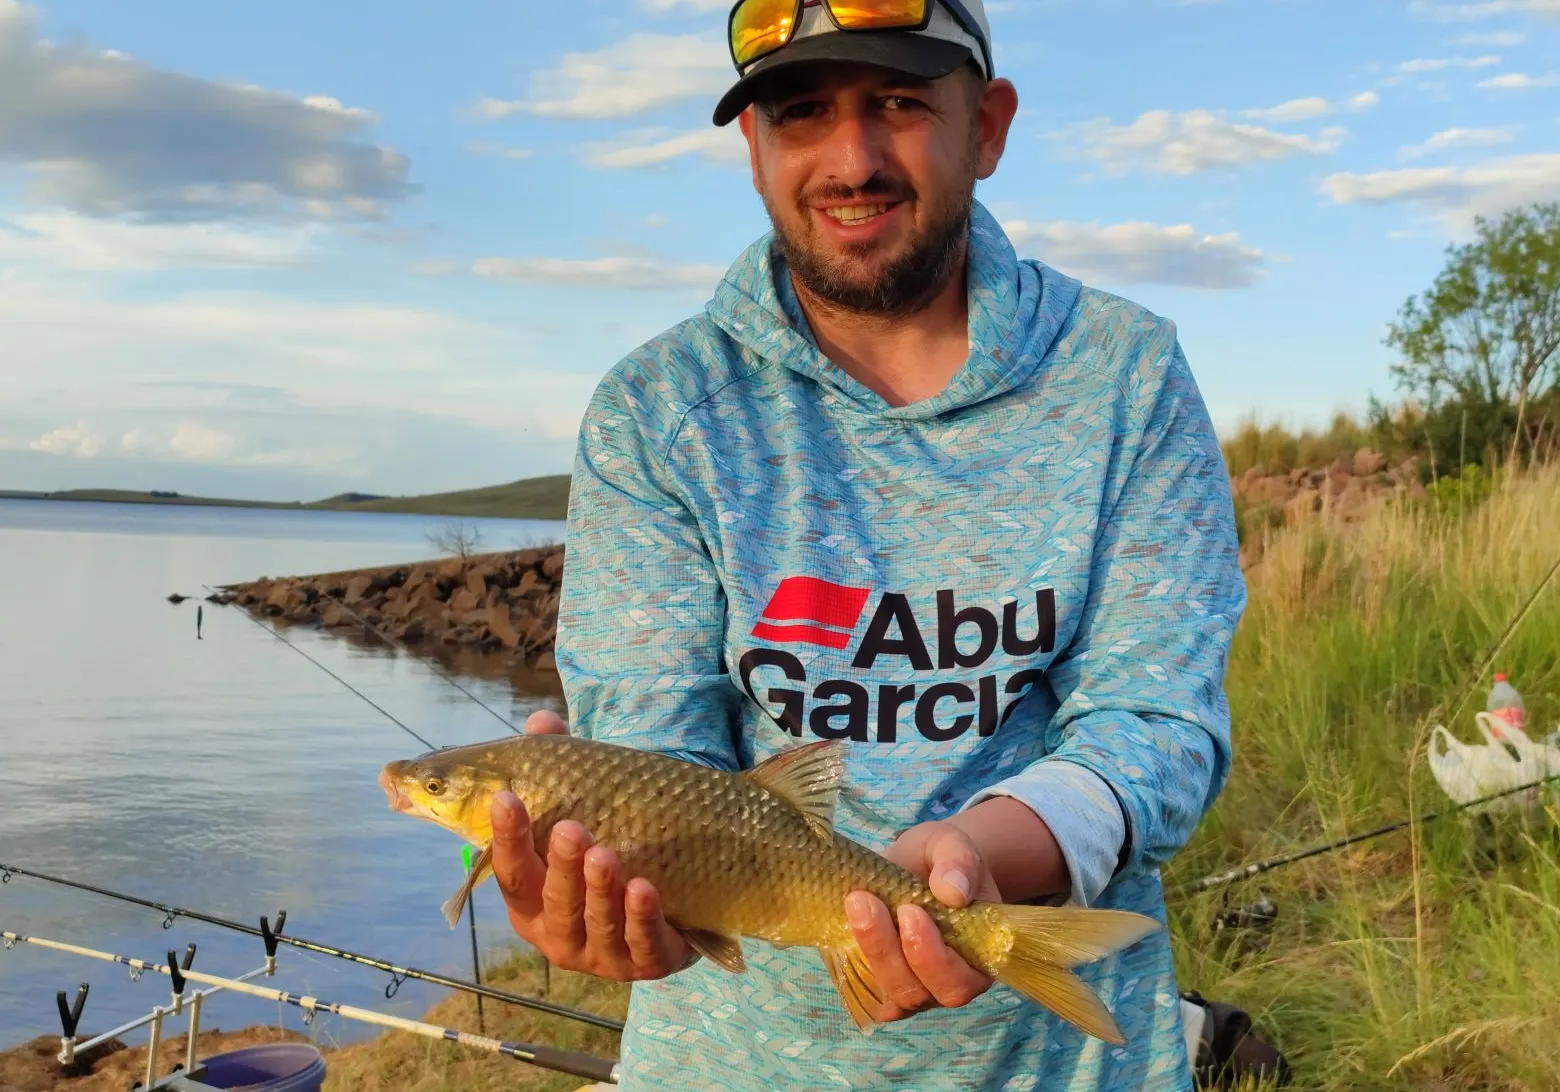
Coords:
pixel 70 1015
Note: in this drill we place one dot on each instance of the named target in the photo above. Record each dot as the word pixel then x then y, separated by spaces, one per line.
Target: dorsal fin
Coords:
pixel 807 778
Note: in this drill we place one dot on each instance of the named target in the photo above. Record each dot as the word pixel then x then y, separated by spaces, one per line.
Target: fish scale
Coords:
pixel 751 854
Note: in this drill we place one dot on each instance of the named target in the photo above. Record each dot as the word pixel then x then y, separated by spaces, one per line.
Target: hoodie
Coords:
pixel 1025 585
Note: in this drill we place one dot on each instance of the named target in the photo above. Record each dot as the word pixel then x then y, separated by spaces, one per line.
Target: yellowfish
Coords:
pixel 752 854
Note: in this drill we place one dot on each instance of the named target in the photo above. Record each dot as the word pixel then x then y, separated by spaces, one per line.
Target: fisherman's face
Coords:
pixel 868 177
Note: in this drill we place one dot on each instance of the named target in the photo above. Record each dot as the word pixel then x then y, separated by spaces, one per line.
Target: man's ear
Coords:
pixel 994 118
pixel 748 119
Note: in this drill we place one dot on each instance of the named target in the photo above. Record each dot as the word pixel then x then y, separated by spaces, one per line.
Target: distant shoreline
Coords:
pixel 545 498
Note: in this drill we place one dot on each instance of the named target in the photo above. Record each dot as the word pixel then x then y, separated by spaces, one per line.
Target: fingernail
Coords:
pixel 857 912
pixel 959 882
pixel 906 922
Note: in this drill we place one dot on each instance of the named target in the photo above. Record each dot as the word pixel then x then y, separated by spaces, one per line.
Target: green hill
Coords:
pixel 529 498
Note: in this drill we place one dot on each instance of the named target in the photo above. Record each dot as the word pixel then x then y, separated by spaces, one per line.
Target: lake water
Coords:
pixel 227 774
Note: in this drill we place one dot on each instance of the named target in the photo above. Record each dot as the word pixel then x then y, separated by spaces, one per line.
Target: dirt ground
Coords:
pixel 114 1067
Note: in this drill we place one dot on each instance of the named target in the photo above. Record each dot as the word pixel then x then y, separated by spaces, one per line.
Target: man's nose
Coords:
pixel 854 148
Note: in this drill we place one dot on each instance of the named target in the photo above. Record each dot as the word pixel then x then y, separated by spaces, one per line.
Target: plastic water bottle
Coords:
pixel 1506 704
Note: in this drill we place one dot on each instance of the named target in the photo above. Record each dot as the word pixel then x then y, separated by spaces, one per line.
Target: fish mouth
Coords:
pixel 398 800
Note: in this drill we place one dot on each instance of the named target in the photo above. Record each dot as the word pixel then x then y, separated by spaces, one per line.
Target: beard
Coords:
pixel 849 279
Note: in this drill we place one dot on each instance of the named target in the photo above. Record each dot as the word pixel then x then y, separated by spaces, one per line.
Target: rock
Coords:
pixel 547 662
pixel 411 631
pixel 1303 504
pixel 1368 463
pixel 464 601
pixel 450 569
pixel 476 582
pixel 529 581
pixel 334 615
pixel 492 596
pixel 357 587
pixel 552 566
pixel 500 625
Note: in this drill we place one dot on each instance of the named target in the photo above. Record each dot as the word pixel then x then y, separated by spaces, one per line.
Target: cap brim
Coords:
pixel 913 54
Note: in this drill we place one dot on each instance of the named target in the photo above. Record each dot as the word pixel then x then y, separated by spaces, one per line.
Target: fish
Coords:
pixel 753 854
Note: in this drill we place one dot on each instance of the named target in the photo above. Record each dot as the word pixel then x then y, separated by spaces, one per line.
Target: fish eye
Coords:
pixel 434 786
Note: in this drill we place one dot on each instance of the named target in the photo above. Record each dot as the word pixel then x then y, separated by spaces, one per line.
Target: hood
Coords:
pixel 1016 310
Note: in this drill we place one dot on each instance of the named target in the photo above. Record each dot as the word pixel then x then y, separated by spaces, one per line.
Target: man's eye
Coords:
pixel 795 111
pixel 901 102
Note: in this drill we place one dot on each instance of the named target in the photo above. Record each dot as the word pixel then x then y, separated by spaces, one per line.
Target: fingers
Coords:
pixel 563 891
pixel 953 863
pixel 604 907
pixel 938 969
pixel 516 865
pixel 544 722
pixel 655 948
pixel 879 942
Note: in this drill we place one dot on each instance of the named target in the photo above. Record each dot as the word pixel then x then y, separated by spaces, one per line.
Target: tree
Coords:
pixel 457 538
pixel 1487 333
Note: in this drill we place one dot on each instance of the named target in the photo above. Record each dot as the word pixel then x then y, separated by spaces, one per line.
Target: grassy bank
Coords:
pixel 401 1062
pixel 1412 963
pixel 529 498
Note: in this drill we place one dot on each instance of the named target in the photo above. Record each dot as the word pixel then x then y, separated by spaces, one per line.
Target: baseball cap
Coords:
pixel 930 53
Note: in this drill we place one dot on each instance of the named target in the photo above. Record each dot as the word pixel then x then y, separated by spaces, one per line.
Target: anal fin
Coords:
pixel 722 950
pixel 857 985
pixel 481 869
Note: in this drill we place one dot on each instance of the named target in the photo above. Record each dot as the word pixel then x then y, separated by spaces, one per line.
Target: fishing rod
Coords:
pixel 1224 879
pixel 563 1061
pixel 398 974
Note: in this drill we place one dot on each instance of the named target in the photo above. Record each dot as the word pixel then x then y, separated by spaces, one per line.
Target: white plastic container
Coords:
pixel 1505 703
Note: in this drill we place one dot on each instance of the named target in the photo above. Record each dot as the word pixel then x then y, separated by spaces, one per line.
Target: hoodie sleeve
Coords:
pixel 642 614
pixel 1143 722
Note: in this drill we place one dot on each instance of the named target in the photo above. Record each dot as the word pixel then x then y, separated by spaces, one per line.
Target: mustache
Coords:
pixel 878 186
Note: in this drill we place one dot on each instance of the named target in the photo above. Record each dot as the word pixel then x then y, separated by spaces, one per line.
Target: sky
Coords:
pixel 289 249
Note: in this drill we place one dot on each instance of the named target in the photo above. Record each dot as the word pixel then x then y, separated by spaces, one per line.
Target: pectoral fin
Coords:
pixel 726 951
pixel 857 984
pixel 481 869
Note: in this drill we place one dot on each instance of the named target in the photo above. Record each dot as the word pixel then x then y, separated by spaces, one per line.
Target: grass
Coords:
pixel 401 1062
pixel 1276 449
pixel 1426 959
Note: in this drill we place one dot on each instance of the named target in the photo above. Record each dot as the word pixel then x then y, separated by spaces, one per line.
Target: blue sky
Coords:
pixel 288 249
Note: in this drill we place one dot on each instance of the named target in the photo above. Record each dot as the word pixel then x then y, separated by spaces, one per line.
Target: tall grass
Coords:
pixel 1276 449
pixel 1424 959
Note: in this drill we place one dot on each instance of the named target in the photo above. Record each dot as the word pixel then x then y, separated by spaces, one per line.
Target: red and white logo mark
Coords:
pixel 806 610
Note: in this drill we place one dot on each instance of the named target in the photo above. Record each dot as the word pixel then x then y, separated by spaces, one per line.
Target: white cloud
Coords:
pixel 639 274
pixel 1457 138
pixel 78 440
pixel 1364 100
pixel 1519 81
pixel 71 241
pixel 1456 194
pixel 1293 110
pixel 106 135
pixel 1438 64
pixel 1500 39
pixel 644 72
pixel 1140 253
pixel 1483 9
pixel 1161 142
pixel 655 147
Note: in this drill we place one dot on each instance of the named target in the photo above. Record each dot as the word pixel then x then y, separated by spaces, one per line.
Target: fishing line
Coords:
pixel 244 613
pixel 398 973
pixel 392 642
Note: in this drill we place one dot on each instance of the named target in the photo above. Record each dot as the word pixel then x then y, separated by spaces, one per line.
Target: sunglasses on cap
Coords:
pixel 757 28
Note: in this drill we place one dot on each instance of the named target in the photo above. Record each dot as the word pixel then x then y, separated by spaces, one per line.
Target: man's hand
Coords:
pixel 915 969
pixel 574 907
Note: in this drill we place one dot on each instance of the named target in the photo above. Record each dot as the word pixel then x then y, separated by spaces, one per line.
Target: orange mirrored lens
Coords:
pixel 878 14
pixel 760 27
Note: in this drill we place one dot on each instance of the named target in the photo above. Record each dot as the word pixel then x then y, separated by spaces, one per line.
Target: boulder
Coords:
pixel 552 566
pixel 1368 463
pixel 547 662
pixel 500 625
pixel 476 582
pixel 357 587
pixel 529 581
pixel 464 601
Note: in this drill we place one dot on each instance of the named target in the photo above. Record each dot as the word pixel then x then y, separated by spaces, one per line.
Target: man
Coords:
pixel 897 487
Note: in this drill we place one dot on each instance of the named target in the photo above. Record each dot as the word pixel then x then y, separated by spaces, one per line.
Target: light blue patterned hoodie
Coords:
pixel 1024 585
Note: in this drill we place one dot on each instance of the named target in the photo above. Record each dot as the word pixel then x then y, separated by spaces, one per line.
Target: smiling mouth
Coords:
pixel 857 214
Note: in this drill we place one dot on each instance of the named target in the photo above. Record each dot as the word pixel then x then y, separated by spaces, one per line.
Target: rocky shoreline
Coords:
pixel 504 604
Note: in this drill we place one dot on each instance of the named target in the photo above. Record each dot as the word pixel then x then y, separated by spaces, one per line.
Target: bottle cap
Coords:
pixel 1499 677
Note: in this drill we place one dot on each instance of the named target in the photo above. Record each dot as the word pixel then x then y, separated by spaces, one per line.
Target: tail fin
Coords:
pixel 1047 940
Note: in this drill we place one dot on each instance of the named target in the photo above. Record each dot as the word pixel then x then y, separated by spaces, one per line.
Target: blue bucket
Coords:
pixel 278 1067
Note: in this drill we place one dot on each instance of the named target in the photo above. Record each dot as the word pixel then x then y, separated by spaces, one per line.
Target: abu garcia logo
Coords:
pixel 807 611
